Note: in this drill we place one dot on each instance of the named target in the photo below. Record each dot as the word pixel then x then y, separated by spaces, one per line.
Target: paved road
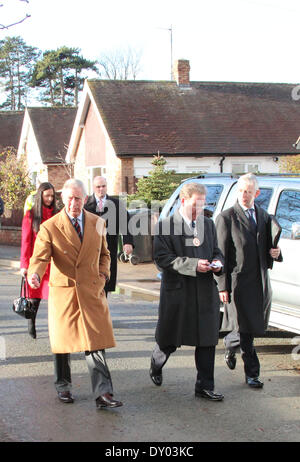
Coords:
pixel 30 411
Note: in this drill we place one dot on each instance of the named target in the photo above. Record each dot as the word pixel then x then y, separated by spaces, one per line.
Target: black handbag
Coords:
pixel 22 306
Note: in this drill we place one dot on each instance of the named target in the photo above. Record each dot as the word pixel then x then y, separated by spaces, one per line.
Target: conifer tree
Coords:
pixel 158 186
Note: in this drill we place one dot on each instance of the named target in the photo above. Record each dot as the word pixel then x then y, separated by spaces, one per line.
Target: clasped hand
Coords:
pixel 203 266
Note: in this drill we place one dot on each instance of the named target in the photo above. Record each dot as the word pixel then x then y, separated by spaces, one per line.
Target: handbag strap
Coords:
pixel 24 287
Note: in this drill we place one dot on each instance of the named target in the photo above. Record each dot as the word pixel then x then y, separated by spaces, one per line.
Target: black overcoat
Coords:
pixel 189 301
pixel 117 218
pixel 245 274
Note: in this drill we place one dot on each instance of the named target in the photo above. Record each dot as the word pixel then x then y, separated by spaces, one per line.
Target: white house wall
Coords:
pixel 142 165
pixel 29 146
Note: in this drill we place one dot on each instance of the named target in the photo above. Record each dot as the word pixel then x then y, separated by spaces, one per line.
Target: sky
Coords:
pixel 224 40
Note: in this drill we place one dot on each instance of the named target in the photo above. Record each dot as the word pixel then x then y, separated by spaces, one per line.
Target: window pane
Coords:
pixel 288 211
pixel 263 199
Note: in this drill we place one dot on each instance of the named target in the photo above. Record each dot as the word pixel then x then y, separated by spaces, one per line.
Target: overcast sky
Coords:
pixel 225 40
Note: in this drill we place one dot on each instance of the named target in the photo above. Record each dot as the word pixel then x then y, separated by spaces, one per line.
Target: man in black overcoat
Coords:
pixel 116 216
pixel 185 247
pixel 244 237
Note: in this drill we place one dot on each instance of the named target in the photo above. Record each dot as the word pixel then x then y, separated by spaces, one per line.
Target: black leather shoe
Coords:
pixel 209 394
pixel 230 359
pixel 65 396
pixel 156 376
pixel 254 382
pixel 106 401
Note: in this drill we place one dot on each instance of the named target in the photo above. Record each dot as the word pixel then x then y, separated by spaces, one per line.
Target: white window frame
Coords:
pixel 92 171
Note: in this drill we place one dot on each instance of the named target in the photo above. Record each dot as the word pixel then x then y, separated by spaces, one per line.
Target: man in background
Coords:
pixel 117 218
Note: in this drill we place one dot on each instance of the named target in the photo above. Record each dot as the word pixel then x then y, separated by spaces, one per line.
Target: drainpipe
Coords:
pixel 221 164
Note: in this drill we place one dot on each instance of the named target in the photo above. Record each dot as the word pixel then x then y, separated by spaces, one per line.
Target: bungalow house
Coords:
pixel 205 127
pixel 10 128
pixel 44 140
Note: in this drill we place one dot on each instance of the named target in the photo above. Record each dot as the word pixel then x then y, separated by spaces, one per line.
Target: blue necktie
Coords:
pixel 252 220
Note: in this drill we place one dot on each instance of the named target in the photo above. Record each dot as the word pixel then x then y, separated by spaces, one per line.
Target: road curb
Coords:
pixel 10 263
pixel 137 292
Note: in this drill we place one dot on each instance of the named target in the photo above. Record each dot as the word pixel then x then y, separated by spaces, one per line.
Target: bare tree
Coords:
pixel 3 26
pixel 120 64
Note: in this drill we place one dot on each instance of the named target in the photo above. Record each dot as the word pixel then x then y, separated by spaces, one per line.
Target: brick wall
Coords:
pixel 181 72
pixel 57 175
pixel 10 235
pixel 128 181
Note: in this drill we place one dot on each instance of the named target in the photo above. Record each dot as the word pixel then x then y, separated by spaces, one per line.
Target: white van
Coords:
pixel 280 196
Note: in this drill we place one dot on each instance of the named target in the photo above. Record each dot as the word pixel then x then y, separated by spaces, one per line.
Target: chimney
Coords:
pixel 181 72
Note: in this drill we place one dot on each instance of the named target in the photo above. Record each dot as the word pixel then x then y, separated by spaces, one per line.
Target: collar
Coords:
pixel 79 218
pixel 245 209
pixel 97 199
pixel 187 220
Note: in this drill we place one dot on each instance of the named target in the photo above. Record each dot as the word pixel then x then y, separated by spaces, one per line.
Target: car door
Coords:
pixel 285 276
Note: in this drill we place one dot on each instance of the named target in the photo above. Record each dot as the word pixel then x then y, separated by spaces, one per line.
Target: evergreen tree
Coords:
pixel 16 63
pixel 156 187
pixel 59 72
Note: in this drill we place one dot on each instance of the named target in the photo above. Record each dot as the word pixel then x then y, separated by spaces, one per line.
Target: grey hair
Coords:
pixel 74 183
pixel 248 178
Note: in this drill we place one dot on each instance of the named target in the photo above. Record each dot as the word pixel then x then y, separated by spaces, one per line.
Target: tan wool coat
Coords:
pixel 78 313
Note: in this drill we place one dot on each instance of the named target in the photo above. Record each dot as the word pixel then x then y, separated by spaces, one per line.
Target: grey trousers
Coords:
pixel 98 370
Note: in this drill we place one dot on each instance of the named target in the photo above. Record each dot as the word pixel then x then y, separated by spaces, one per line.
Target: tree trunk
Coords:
pixel 62 88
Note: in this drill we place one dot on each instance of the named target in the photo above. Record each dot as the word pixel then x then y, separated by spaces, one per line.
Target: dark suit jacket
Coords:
pixel 245 276
pixel 116 217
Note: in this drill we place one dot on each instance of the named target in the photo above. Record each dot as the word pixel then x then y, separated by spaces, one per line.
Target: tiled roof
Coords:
pixel 10 128
pixel 143 117
pixel 52 128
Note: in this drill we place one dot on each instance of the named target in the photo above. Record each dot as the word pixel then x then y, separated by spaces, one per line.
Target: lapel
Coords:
pixel 241 216
pixel 186 234
pixel 67 229
pixel 88 235
pixel 259 220
pixel 92 203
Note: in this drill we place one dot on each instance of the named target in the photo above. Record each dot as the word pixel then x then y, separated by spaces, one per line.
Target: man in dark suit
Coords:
pixel 244 287
pixel 185 248
pixel 116 216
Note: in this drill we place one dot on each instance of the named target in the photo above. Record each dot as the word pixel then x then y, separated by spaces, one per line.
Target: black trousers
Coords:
pixel 98 369
pixel 235 340
pixel 204 360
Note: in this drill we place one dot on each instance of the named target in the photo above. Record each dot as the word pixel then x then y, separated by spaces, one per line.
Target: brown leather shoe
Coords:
pixel 65 396
pixel 106 401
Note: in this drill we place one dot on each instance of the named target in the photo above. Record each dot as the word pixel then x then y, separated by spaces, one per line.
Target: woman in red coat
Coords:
pixel 44 207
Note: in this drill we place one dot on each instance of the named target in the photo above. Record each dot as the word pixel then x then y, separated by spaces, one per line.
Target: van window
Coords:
pixel 213 195
pixel 288 211
pixel 264 198
pixel 212 198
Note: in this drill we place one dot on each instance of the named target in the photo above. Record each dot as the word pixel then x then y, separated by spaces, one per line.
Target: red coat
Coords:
pixel 27 245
